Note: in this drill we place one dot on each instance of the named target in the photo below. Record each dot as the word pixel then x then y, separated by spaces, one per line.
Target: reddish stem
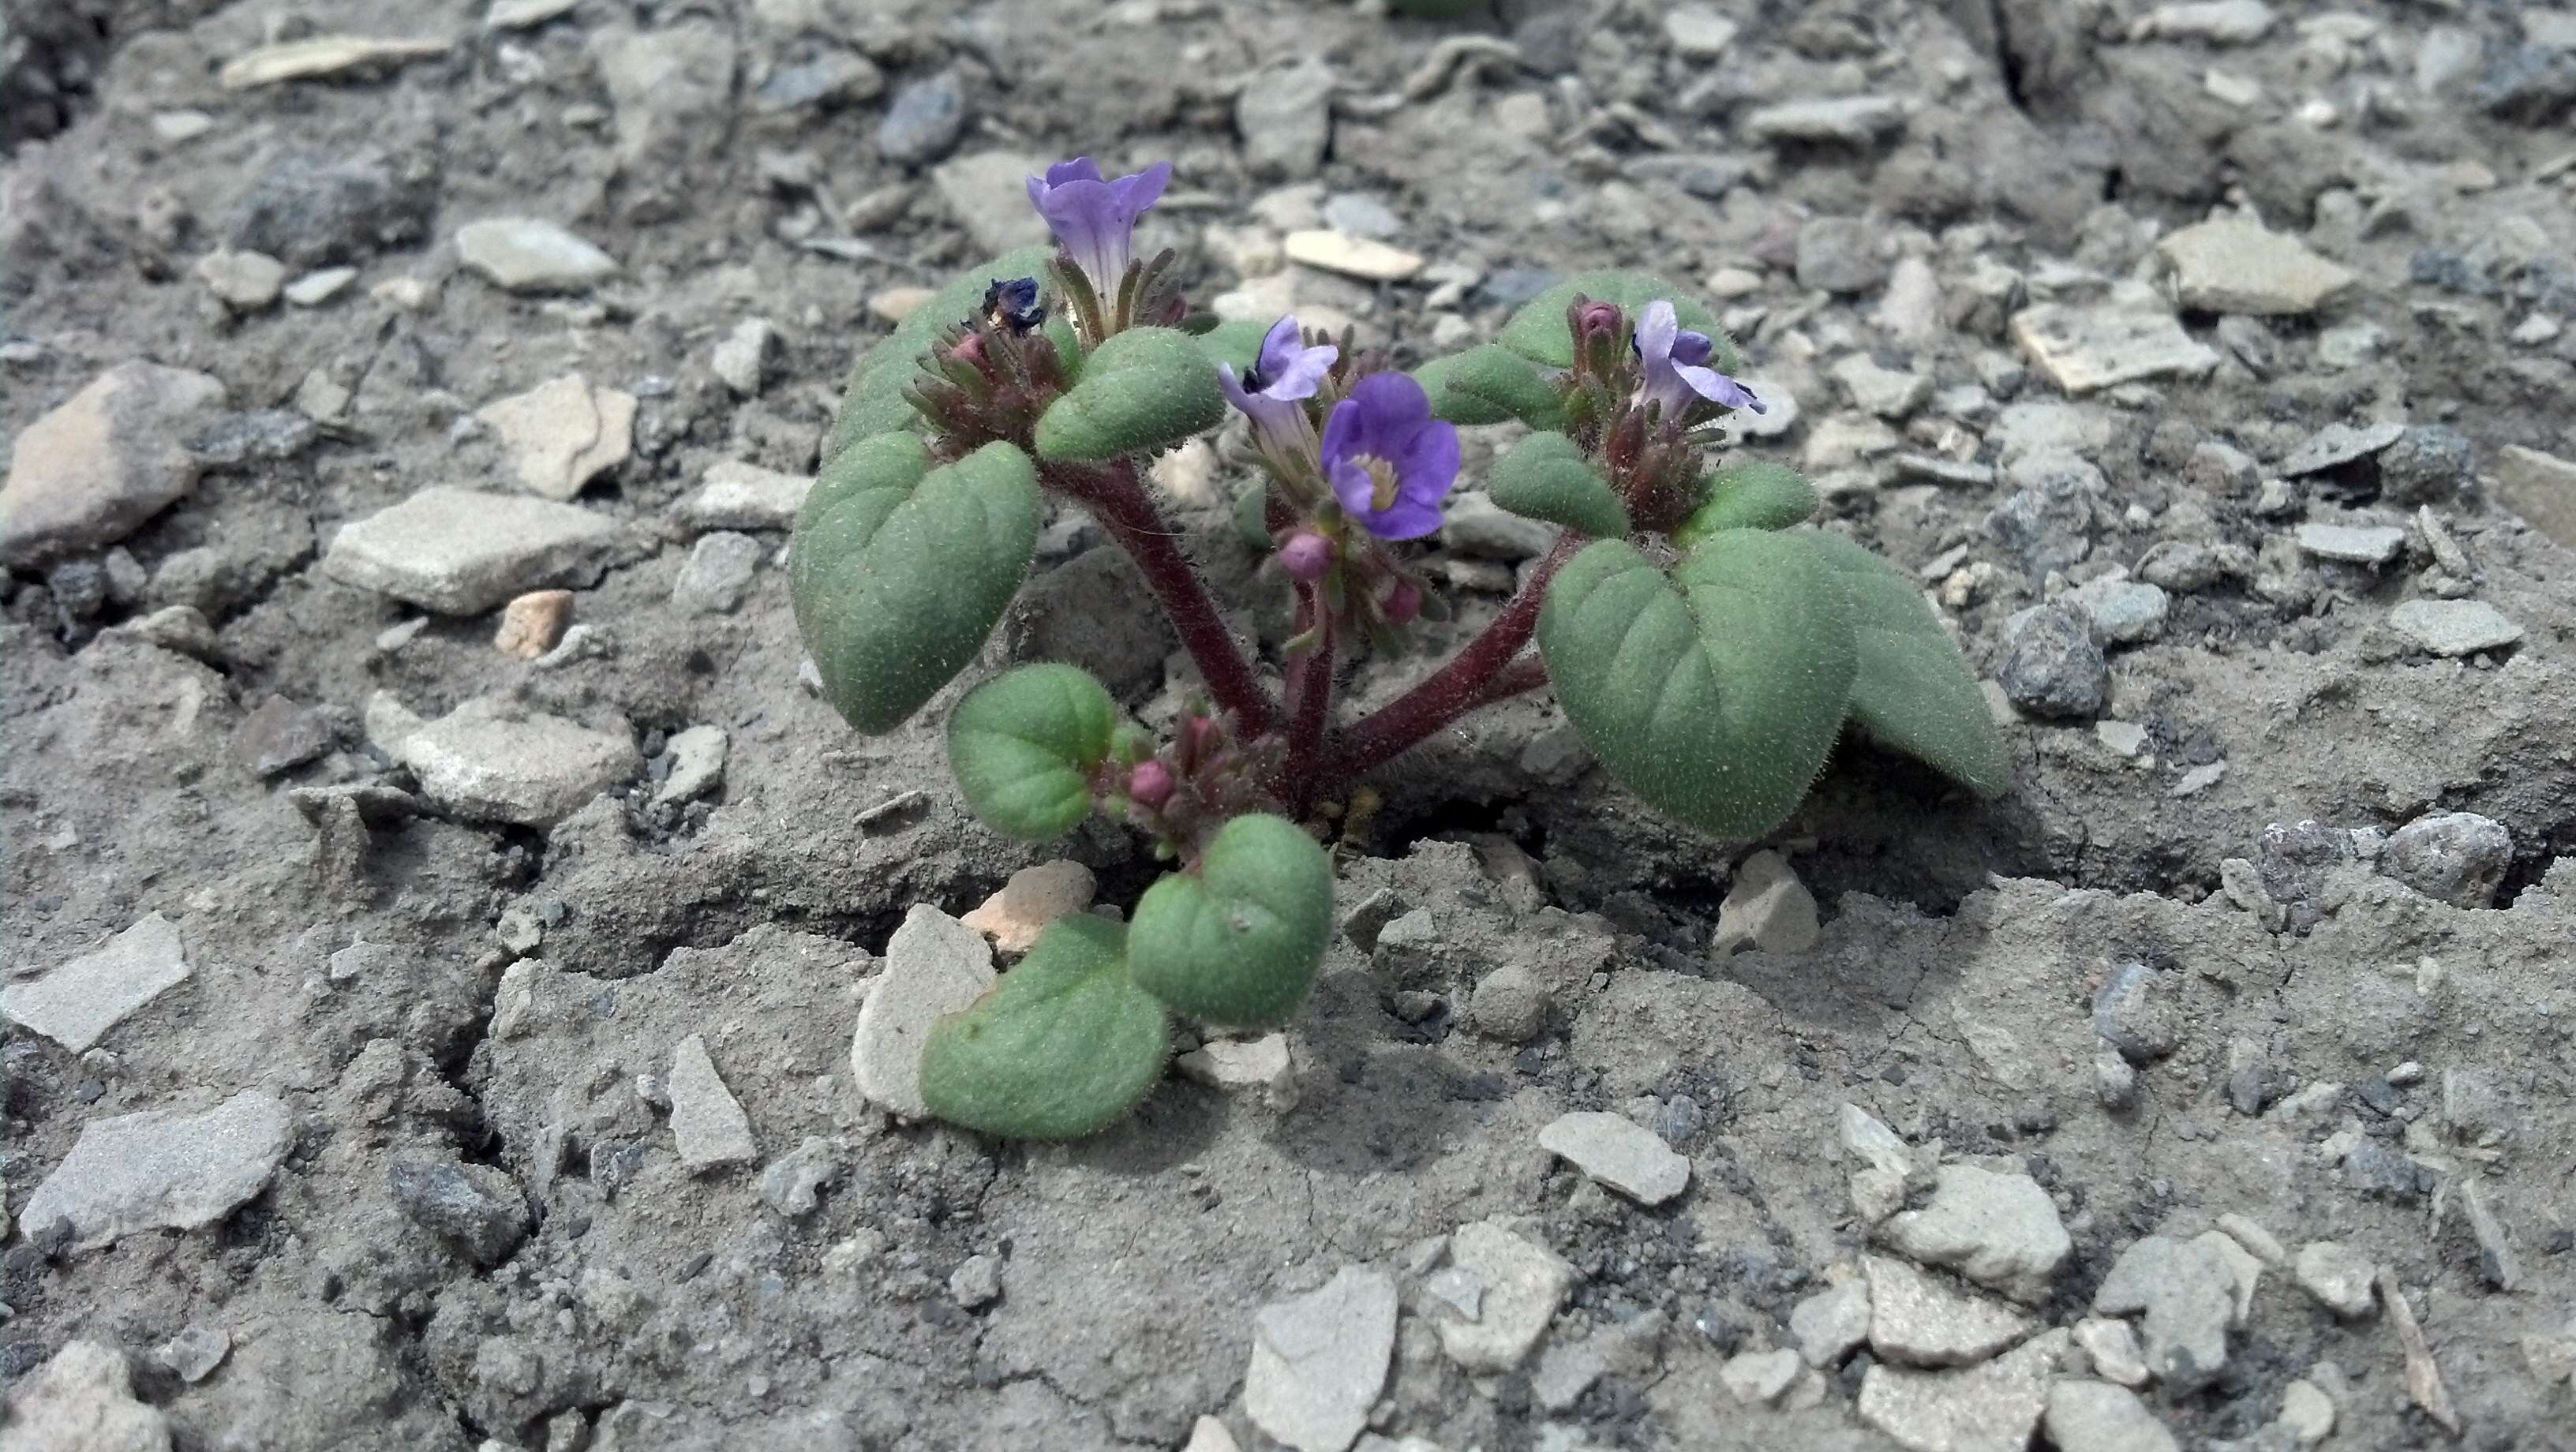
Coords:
pixel 1474 677
pixel 1310 702
pixel 1120 503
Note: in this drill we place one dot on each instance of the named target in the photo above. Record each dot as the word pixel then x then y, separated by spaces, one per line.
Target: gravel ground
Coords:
pixel 438 915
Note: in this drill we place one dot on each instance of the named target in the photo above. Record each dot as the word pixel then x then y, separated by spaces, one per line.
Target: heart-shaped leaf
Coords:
pixel 1490 384
pixel 1237 942
pixel 872 402
pixel 1753 494
pixel 1060 1048
pixel 1140 389
pixel 1913 691
pixel 1546 476
pixel 1024 744
pixel 898 571
pixel 1714 692
pixel 1539 329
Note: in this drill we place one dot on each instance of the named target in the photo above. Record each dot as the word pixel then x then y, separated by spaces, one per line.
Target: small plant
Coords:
pixel 1708 653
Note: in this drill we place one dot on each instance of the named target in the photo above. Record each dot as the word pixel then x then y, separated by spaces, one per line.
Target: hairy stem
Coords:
pixel 1310 702
pixel 1472 678
pixel 1120 503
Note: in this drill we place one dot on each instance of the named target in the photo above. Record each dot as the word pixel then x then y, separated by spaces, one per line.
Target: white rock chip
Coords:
pixel 735 495
pixel 2113 1346
pixel 933 965
pixel 1523 1286
pixel 319 55
pixel 2307 1413
pixel 2366 544
pixel 1033 898
pixel 2099 1417
pixel 195 1352
pixel 527 255
pixel 2233 266
pixel 1990 1408
pixel 82 1400
pixel 460 552
pixel 242 281
pixel 1766 907
pixel 707 1122
pixel 1319 1360
pixel 1760 1378
pixel 2188 1291
pixel 1331 251
pixel 92 470
pixel 2453 627
pixel 1619 1153
pixel 1997 1230
pixel 741 359
pixel 1878 1185
pixel 1917 1320
pixel 1260 1066
pixel 2084 350
pixel 2337 1275
pixel 563 433
pixel 1830 1324
pixel 697 764
pixel 76 1004
pixel 491 761
pixel 1849 120
pixel 163 1169
pixel 1696 32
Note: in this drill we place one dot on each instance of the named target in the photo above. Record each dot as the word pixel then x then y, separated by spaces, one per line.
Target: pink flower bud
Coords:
pixel 969 349
pixel 1599 317
pixel 1403 602
pixel 1149 784
pixel 1306 556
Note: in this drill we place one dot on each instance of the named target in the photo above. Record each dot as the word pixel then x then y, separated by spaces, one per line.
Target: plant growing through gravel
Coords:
pixel 1707 650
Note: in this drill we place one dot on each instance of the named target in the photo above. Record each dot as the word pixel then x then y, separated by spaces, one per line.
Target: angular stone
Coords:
pixel 735 495
pixel 1760 1378
pixel 741 359
pixel 1849 120
pixel 1830 1324
pixel 2001 1231
pixel 1523 1285
pixel 82 1400
pixel 923 121
pixel 1840 255
pixel 2337 1275
pixel 2232 266
pixel 697 765
pixel 2083 350
pixel 792 1182
pixel 461 552
pixel 2337 444
pixel 170 1169
pixel 1767 908
pixel 2539 487
pixel 475 1208
pixel 563 433
pixel 2372 544
pixel 2114 1350
pixel 2188 1292
pixel 2219 22
pixel 1033 898
pixel 524 254
pixel 2455 857
pixel 2453 627
pixel 92 470
pixel 76 1004
pixel 533 623
pixel 1695 32
pixel 320 55
pixel 2099 1417
pixel 1989 1408
pixel 2133 1014
pixel 242 281
pixel 490 761
pixel 718 573
pixel 1285 116
pixel 2122 611
pixel 1473 524
pixel 2051 666
pixel 1917 1320
pixel 1338 252
pixel 1261 1066
pixel 707 1122
pixel 195 1351
pixel 1319 1360
pixel 934 964
pixel 1619 1153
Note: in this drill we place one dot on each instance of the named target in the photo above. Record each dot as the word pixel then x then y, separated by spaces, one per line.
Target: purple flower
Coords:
pixel 1286 374
pixel 1095 219
pixel 1389 461
pixel 1674 377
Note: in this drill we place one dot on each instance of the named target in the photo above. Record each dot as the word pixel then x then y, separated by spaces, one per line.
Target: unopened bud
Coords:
pixel 1306 556
pixel 1149 784
pixel 1599 317
pixel 969 349
pixel 1403 602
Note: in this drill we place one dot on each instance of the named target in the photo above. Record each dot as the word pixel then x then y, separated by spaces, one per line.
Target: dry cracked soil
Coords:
pixel 437 912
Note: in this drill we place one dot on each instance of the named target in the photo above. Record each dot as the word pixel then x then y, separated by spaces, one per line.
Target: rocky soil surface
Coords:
pixel 438 916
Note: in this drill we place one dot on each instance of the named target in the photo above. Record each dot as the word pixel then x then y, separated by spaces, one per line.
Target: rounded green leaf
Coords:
pixel 1060 1048
pixel 1489 384
pixel 1140 389
pixel 1714 692
pixel 1023 746
pixel 1754 494
pixel 898 571
pixel 1539 329
pixel 872 402
pixel 1237 942
pixel 1546 476
pixel 1234 342
pixel 1913 691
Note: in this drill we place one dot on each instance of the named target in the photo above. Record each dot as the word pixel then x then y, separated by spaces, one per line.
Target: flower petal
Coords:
pixel 1081 168
pixel 1428 467
pixel 1303 374
pixel 1406 519
pixel 1716 387
pixel 1232 387
pixel 1391 407
pixel 1351 483
pixel 1278 348
pixel 1690 347
pixel 1141 190
pixel 1657 327
pixel 1343 429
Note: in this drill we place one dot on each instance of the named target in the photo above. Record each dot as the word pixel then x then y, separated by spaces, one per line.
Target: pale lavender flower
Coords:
pixel 1283 377
pixel 1389 461
pixel 1095 220
pixel 1673 357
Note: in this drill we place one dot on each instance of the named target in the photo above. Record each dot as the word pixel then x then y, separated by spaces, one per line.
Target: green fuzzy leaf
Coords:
pixel 1489 384
pixel 1141 389
pixel 1547 477
pixel 1252 518
pixel 1237 942
pixel 1068 345
pixel 898 571
pixel 1714 692
pixel 1236 343
pixel 872 401
pixel 1539 329
pixel 1060 1048
pixel 1754 494
pixel 1914 691
pixel 1023 746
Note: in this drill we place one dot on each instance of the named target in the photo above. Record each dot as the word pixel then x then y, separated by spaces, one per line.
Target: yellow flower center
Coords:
pixel 1381 481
